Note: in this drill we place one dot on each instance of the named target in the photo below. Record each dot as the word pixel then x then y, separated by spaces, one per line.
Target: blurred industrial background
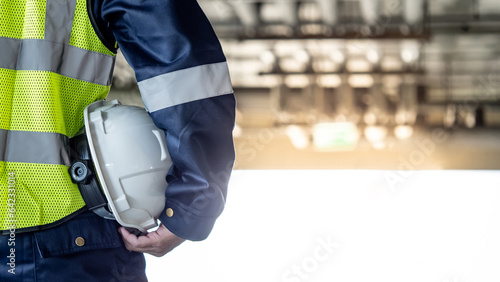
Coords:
pixel 358 84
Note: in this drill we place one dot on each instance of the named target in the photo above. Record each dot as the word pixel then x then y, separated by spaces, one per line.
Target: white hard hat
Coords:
pixel 130 157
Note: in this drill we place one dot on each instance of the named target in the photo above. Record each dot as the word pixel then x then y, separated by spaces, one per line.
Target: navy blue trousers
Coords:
pixel 86 248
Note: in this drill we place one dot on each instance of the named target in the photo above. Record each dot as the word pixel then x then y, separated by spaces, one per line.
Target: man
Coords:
pixel 56 57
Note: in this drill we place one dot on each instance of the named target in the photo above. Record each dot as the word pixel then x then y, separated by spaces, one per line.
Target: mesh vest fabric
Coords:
pixel 42 98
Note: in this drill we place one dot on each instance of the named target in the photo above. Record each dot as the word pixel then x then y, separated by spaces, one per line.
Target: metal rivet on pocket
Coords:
pixel 170 212
pixel 79 241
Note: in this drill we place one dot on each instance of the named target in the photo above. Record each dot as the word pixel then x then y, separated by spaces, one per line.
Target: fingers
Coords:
pixel 156 243
pixel 130 240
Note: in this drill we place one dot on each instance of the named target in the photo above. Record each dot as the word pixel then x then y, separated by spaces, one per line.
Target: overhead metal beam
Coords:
pixel 392 32
pixel 376 72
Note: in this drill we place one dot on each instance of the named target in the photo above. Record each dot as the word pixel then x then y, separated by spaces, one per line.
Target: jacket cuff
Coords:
pixel 185 224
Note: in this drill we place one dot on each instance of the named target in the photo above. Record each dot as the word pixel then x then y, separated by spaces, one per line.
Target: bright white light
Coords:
pixel 358 65
pixel 250 80
pixel 237 131
pixel 296 81
pixel 361 80
pixel 267 57
pixel 322 65
pixel 337 56
pixel 291 65
pixel 408 56
pixel 372 56
pixel 329 80
pixel 450 115
pixel 284 48
pixel 470 120
pixel 409 51
pixel 375 134
pixel 302 56
pixel 298 136
pixel 403 132
pixel 391 63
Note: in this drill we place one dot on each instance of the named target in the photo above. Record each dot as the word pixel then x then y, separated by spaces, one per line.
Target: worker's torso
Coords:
pixel 52 65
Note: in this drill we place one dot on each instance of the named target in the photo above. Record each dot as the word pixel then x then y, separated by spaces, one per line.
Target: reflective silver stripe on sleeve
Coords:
pixel 66 60
pixel 34 147
pixel 187 85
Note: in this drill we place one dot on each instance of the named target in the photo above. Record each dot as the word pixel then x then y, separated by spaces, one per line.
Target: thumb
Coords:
pixel 127 236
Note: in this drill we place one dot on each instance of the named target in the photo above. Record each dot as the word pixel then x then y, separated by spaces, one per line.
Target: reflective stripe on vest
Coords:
pixel 52 65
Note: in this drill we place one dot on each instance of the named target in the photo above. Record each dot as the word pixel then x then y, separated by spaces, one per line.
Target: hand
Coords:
pixel 156 243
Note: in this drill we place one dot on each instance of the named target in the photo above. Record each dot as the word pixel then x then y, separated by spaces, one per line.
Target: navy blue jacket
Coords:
pixel 184 82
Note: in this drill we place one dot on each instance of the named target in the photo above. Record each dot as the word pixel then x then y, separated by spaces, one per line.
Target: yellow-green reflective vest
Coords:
pixel 52 65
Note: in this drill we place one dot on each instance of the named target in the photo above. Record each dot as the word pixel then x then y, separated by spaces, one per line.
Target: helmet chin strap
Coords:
pixel 82 173
pixel 103 212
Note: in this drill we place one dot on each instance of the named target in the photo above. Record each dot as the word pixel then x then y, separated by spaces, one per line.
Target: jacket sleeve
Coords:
pixel 184 82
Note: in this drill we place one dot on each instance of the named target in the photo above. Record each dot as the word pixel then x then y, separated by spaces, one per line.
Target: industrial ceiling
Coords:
pixel 301 66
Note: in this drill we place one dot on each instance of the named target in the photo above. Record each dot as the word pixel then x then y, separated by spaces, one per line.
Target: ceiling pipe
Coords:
pixel 370 10
pixel 247 12
pixel 289 11
pixel 329 11
pixel 414 12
